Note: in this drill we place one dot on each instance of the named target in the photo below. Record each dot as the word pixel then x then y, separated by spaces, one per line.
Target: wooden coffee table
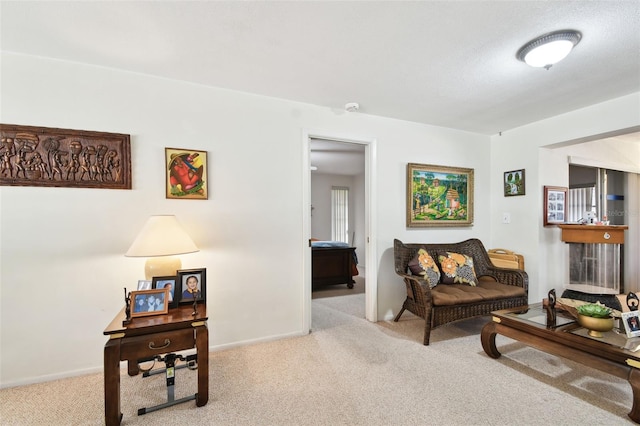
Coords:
pixel 527 324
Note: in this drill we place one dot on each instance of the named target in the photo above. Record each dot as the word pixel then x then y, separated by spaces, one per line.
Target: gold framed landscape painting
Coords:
pixel 439 196
pixel 186 171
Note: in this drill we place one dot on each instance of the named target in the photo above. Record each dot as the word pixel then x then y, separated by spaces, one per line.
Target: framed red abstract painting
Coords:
pixel 186 171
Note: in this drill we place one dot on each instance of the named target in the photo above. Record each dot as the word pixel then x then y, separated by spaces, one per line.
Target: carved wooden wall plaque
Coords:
pixel 41 156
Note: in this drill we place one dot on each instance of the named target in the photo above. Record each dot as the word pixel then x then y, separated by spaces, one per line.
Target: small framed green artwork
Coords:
pixel 439 196
pixel 514 183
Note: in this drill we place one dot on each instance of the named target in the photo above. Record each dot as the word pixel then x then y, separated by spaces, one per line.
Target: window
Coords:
pixel 581 200
pixel 596 190
pixel 340 214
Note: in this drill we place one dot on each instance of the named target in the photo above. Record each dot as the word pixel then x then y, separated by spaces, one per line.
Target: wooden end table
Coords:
pixel 527 324
pixel 146 337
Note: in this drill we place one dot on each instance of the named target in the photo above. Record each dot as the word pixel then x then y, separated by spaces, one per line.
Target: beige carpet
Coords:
pixel 351 372
pixel 340 289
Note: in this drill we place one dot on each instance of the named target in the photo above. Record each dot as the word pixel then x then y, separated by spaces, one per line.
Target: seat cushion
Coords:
pixel 459 294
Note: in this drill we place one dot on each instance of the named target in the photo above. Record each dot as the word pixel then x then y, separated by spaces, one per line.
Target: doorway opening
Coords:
pixel 332 160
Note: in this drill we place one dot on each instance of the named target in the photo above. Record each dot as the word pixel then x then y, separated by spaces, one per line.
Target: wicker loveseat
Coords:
pixel 438 303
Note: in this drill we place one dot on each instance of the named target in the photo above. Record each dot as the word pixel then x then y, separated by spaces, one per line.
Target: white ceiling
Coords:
pixel 445 63
pixel 336 158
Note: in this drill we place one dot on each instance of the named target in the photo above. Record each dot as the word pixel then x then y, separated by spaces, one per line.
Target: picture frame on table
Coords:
pixel 631 322
pixel 170 284
pixel 186 174
pixel 149 302
pixel 439 196
pixel 555 205
pixel 145 284
pixel 189 280
pixel 514 183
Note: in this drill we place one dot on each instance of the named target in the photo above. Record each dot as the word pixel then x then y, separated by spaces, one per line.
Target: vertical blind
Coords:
pixel 340 214
pixel 581 200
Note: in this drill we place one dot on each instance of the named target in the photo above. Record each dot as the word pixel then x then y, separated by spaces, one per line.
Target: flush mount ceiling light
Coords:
pixel 549 48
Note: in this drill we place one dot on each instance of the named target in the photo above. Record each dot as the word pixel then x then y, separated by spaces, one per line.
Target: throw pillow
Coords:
pixel 424 265
pixel 457 269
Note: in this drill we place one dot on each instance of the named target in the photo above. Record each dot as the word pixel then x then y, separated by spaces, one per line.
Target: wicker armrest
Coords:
pixel 509 276
pixel 422 282
pixel 418 289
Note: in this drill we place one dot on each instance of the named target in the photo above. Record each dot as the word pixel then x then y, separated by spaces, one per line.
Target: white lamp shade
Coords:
pixel 161 236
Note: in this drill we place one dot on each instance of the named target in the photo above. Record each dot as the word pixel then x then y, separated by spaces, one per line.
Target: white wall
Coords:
pixel 529 147
pixel 439 146
pixel 62 269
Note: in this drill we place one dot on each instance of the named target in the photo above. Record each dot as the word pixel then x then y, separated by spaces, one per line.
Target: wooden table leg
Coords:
pixel 132 367
pixel 202 346
pixel 488 339
pixel 112 414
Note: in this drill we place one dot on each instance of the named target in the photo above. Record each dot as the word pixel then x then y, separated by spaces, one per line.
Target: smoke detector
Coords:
pixel 352 107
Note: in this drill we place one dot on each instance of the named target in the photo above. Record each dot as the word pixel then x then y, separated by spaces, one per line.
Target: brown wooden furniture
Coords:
pixel 527 324
pixel 438 304
pixel 503 258
pixel 333 265
pixel 597 234
pixel 596 260
pixel 146 337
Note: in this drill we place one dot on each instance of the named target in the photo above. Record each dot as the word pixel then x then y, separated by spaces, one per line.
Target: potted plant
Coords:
pixel 595 317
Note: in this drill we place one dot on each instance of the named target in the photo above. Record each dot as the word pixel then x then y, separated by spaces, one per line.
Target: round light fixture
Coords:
pixel 549 48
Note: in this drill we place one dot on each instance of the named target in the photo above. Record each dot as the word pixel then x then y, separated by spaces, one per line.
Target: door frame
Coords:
pixel 371 269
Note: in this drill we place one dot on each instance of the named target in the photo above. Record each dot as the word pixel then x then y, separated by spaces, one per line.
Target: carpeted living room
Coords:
pixel 349 371
pixel 230 212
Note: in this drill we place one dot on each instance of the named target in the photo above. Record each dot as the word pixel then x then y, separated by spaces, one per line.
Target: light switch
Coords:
pixel 506 217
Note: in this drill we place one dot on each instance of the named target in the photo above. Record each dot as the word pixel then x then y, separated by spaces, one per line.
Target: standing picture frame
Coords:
pixel 170 284
pixel 555 205
pixel 149 302
pixel 631 322
pixel 439 196
pixel 514 183
pixel 186 285
pixel 144 285
pixel 186 174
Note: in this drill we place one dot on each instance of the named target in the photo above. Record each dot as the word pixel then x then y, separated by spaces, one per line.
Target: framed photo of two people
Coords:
pixel 168 283
pixel 192 284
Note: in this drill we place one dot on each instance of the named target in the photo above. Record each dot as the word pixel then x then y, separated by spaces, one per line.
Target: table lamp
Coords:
pixel 160 240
